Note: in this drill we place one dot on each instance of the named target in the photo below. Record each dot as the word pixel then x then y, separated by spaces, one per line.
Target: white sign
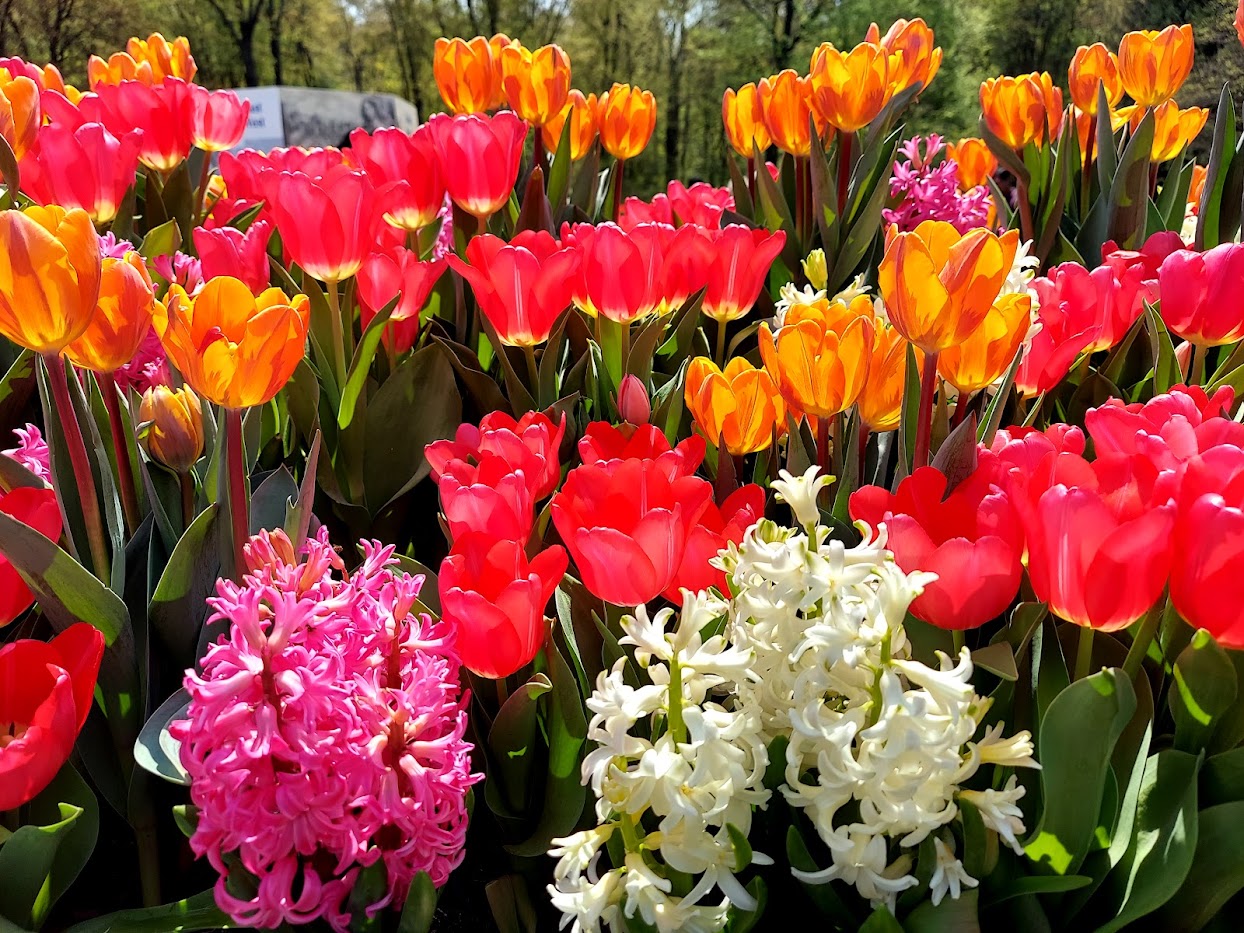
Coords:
pixel 266 127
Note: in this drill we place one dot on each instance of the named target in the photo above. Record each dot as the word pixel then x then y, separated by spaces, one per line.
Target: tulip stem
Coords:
pixel 924 421
pixel 120 444
pixel 844 171
pixel 1196 367
pixel 149 866
pixel 200 196
pixel 721 343
pixel 533 373
pixel 503 691
pixel 1144 638
pixel 239 505
pixel 91 517
pixel 1086 158
pixel 862 455
pixel 1026 232
pixel 339 340
pixel 958 640
pixel 537 151
pixel 1084 652
pixel 798 212
pixel 617 189
pixel 822 444
pixel 751 181
pixel 187 499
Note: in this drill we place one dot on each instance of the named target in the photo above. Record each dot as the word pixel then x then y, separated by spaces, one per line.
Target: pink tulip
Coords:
pixel 229 251
pixel 328 224
pixel 218 118
pixel 406 173
pixel 397 273
pixel 1201 294
pixel 84 166
pixel 739 270
pixel 479 158
pixel 164 112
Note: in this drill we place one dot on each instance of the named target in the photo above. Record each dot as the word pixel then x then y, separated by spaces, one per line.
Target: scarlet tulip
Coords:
pixel 1200 294
pixel 971 539
pixel 20 112
pixel 880 404
pixel 1092 67
pixel 529 444
pixel 38 509
pixel 328 224
pixel 989 350
pixel 465 74
pixel 636 211
pixel 786 104
pixel 700 204
pixel 85 167
pixel 536 83
pixel 718 528
pixel 233 348
pixel 164 112
pixel 229 251
pixel 976 163
pixel 218 118
pixel 848 89
pixel 172 426
pixel 627 527
pixel 122 316
pixel 495 600
pixel 1067 313
pixel 1169 430
pixel 479 157
pixel 1019 456
pixel 397 273
pixel 914 58
pixel 488 496
pixel 1173 129
pixel 1154 65
pixel 581 112
pixel 609 446
pixel 744 120
pixel 521 286
pixel 691 258
pixel 404 169
pixel 619 271
pixel 46 692
pixel 1020 110
pixel 819 357
pixel 739 270
pixel 740 407
pixel 625 119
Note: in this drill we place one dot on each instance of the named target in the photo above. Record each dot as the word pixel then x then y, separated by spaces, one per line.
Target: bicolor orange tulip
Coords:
pixel 939 285
pixel 739 407
pixel 976 163
pixel 465 74
pixel 1093 66
pixel 744 120
pixel 819 357
pixel 148 61
pixel 537 84
pixel 122 316
pixel 785 104
pixel 1154 65
pixel 20 112
pixel 625 119
pixel 990 349
pixel 849 89
pixel 498 44
pixel 1018 110
pixel 171 426
pixel 1173 129
pixel 581 112
pixel 880 405
pixel 918 57
pixel 49 276
pixel 233 348
pixel 1197 187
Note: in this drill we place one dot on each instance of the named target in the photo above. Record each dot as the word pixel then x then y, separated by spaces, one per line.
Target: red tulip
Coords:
pixel 608 446
pixel 397 273
pixel 1018 455
pixel 495 600
pixel 740 267
pixel 488 496
pixel 406 173
pixel 529 444
pixel 83 166
pixel 718 527
pixel 1200 294
pixel 971 539
pixel 701 204
pixel 627 528
pixel 164 112
pixel 634 406
pixel 522 286
pixel 46 690
pixel 1067 313
pixel 636 211
pixel 217 118
pixel 229 251
pixel 37 508
pixel 1168 430
pixel 479 158
pixel 619 271
pixel 1150 255
pixel 328 224
pixel 689 261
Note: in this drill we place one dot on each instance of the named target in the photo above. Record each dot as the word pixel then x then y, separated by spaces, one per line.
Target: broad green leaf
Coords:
pixel 178 606
pixel 881 921
pixel 1204 689
pixel 420 907
pixel 158 752
pixel 1221 155
pixel 360 368
pixel 515 745
pixel 952 915
pixel 195 913
pixel 1216 873
pixel 1222 778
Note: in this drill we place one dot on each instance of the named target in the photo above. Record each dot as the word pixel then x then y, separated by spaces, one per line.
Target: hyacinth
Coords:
pixel 325 734
pixel 928 191
pixel 147 369
pixel 31 452
pixel 180 269
pixel 110 247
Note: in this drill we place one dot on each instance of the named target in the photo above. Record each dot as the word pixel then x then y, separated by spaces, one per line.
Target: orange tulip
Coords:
pixel 938 286
pixel 1154 65
pixel 849 89
pixel 20 112
pixel 466 75
pixel 744 120
pixel 49 276
pixel 1197 187
pixel 233 348
pixel 497 45
pixel 171 426
pixel 990 349
pixel 739 407
pixel 880 405
pixel 1086 125
pixel 819 357
pixel 625 119
pixel 1173 129
pixel 149 61
pixel 581 111
pixel 918 58
pixel 1018 110
pixel 122 316
pixel 537 83
pixel 976 163
pixel 785 104
pixel 1093 66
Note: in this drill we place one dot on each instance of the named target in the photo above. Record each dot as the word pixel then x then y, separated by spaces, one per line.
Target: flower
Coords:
pixel 1154 65
pixel 619 270
pixel 609 446
pixel 32 453
pixel 989 351
pixel 634 405
pixel 84 166
pixel 171 426
pixel 529 445
pixel 122 317
pixel 718 528
pixel 37 508
pixel 740 265
pixel 1022 110
pixel 1195 289
pixel 20 113
pixel 163 111
pixel 491 496
pixel 785 104
pixel 396 273
pixel 739 408
pixel 848 89
pixel 880 403
pixel 49 689
pixel 819 357
pixel 1067 313
pixel 700 204
pixel 1094 66
pixel 744 121
pixel 466 75
pixel 536 83
pixel 625 119
pixel 975 163
pixel 495 601
pixel 914 56
pixel 49 276
pixel 1173 129
pixel 149 60
pixel 149 366
pixel 328 223
pixel 479 159
pixel 217 118
pixel 581 112
pixel 406 173
pixel 234 348
pixel 229 251
pixel 926 191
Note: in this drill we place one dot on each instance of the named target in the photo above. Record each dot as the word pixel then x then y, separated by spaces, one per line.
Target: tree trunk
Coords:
pixel 246 51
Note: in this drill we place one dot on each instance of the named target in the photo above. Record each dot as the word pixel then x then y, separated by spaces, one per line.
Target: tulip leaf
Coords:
pixel 997 658
pixel 909 418
pixel 771 205
pixel 1166 369
pixel 1216 874
pixel 271 499
pixel 163 240
pixel 535 213
pixel 194 913
pixel 1173 194
pixel 510 905
pixel 952 915
pixel 17 386
pixel 360 368
pixel 513 744
pixel 420 907
pixel 1204 689
pixel 956 458
pixel 1007 157
pixel 298 510
pixel 480 387
pixel 178 606
pixel 559 170
pixel 1129 190
pixel 158 752
pixel 1221 157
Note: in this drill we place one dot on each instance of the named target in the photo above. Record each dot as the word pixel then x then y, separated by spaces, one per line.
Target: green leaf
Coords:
pixel 1216 873
pixel 195 913
pixel 909 418
pixel 514 745
pixel 1166 370
pixel 511 905
pixel 271 499
pixel 742 848
pixel 1221 155
pixel 1222 778
pixel 360 367
pixel 178 606
pixel 1038 884
pixel 743 921
pixel 957 915
pixel 997 405
pixel 420 907
pixel 1129 191
pixel 157 751
pixel 163 240
pixel 881 921
pixel 369 886
pixel 824 896
pixel 997 658
pixel 1204 689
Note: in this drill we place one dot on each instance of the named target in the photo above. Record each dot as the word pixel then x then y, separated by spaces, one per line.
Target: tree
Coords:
pixel 241 19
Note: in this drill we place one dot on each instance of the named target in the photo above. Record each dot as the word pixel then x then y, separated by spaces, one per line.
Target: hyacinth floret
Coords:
pixel 929 190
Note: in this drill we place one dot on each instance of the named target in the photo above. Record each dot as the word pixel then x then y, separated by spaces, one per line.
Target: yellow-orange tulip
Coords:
pixel 625 119
pixel 785 104
pixel 919 58
pixel 1018 109
pixel 234 349
pixel 498 44
pixel 1154 65
pixel 122 316
pixel 990 349
pixel 740 406
pixel 976 163
pixel 149 61
pixel 537 83
pixel 1173 129
pixel 744 120
pixel 171 426
pixel 849 89
pixel 880 405
pixel 581 112
pixel 20 112
pixel 1197 186
pixel 1093 66
pixel 49 276
pixel 819 356
pixel 938 285
pixel 466 75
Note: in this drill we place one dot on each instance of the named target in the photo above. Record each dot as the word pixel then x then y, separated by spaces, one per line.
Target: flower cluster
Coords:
pixel 926 190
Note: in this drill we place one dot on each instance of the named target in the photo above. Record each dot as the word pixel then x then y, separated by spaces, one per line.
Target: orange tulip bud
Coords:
pixel 234 349
pixel 49 276
pixel 537 83
pixel 1018 109
pixel 848 89
pixel 990 349
pixel 918 57
pixel 625 119
pixel 739 407
pixel 122 316
pixel 744 120
pixel 20 112
pixel 938 285
pixel 581 111
pixel 1154 65
pixel 785 104
pixel 1094 66
pixel 819 357
pixel 466 75
pixel 880 405
pixel 171 426
pixel 976 163
pixel 1173 129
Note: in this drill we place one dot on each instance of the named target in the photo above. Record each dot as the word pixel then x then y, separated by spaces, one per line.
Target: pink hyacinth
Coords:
pixel 325 734
pixel 931 192
pixel 148 368
pixel 31 452
pixel 112 248
pixel 180 268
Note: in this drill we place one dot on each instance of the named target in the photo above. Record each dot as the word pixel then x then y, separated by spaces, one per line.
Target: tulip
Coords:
pixel 701 204
pixel 1196 189
pixel 619 271
pixel 20 112
pixel 242 255
pixel 1067 313
pixel 636 211
pixel 633 404
pixel 971 538
pixel 495 600
pixel 739 269
pixel 529 445
pixel 164 112
pixel 1173 129
pixel 328 224
pixel 1121 288
pixel 914 59
pixel 166 59
pixel 718 528
pixel 497 45
pixel 739 408
pixel 976 163
pixel 848 89
pixel 691 256
pixel 880 404
pixel 489 496
pixel 1154 65
pixel 522 286
pixel 122 316
pixel 37 508
pixel 86 167
pixel 1169 430
pixel 479 157
pixel 171 426
pixel 396 273
pixel 48 78
pixel 1018 456
pixel 48 688
pixel 234 348
pixel 465 74
pixel 989 350
pixel 625 119
pixel 1022 110
pixel 627 527
pixel 1200 294
pixel 581 112
pixel 1094 66
pixel 406 173
pixel 609 446
pixel 785 103
pixel 744 120
pixel 536 84
pixel 50 269
pixel 217 118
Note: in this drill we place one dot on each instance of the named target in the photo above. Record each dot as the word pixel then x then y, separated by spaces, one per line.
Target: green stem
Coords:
pixel 1197 367
pixel 1144 638
pixel 149 866
pixel 533 371
pixel 200 196
pixel 958 640
pixel 339 340
pixel 721 343
pixel 239 504
pixel 1084 652
pixel 1026 231
pixel 844 171
pixel 121 446
pixel 677 728
pixel 924 422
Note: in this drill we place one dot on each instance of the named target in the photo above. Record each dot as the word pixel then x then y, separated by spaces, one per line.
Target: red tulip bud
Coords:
pixel 633 404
